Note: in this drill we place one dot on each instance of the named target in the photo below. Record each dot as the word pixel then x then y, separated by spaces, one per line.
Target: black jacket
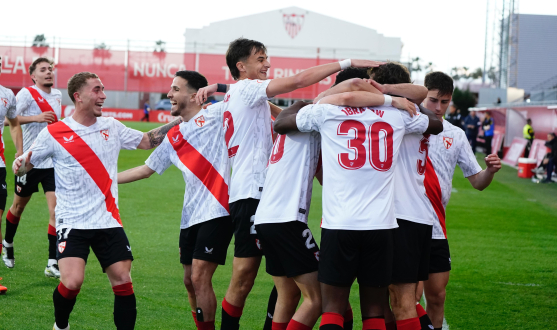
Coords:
pixel 553 145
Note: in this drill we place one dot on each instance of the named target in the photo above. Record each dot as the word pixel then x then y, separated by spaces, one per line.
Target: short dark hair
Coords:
pixel 391 73
pixel 240 50
pixel 351 73
pixel 194 79
pixel 440 81
pixel 529 121
pixel 33 65
pixel 77 81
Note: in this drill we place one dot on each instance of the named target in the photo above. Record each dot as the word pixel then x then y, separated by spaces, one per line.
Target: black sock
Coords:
pixel 348 325
pixel 271 309
pixel 425 322
pixel 438 328
pixel 125 312
pixel 62 309
pixel 229 322
pixel 51 246
pixel 10 231
pixel 330 327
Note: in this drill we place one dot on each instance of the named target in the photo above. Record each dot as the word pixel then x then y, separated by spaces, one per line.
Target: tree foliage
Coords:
pixel 39 41
pixel 463 100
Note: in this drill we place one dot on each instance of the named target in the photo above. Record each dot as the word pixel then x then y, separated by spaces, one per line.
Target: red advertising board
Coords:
pixel 145 71
pixel 16 62
pixel 515 151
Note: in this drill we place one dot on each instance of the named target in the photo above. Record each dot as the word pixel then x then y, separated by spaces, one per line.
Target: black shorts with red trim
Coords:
pixel 28 184
pixel 440 258
pixel 3 188
pixel 246 242
pixel 300 255
pixel 207 241
pixel 110 245
pixel 363 254
pixel 412 246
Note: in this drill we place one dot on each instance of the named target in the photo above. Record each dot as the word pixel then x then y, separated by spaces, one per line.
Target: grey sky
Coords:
pixel 446 32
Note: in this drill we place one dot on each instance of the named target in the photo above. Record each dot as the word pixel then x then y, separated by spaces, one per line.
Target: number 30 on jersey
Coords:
pixel 379 136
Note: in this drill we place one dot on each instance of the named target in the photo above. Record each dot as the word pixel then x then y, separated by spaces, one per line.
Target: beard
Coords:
pixel 48 84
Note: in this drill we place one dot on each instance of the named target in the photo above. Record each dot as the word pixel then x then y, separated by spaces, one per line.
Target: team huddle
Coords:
pixel 377 144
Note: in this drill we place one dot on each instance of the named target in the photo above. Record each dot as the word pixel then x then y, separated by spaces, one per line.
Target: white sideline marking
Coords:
pixel 518 284
pixel 454 190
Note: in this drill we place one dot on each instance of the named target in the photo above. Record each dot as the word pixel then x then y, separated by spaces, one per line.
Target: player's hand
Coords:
pixel 378 86
pixel 204 93
pixel 16 165
pixel 17 154
pixel 365 63
pixel 493 163
pixel 319 97
pixel 46 117
pixel 403 104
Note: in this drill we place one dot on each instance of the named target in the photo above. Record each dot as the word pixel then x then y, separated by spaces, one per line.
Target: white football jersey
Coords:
pixel 80 203
pixel 411 201
pixel 289 182
pixel 7 109
pixel 359 149
pixel 27 106
pixel 446 150
pixel 203 160
pixel 248 136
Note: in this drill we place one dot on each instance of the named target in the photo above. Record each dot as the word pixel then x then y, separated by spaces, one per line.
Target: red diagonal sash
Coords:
pixel 2 148
pixel 88 160
pixel 199 166
pixel 41 102
pixel 433 192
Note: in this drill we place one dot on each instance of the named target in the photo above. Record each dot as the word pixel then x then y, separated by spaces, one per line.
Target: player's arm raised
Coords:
pixel 275 109
pixel 17 135
pixel 414 93
pixel 313 75
pixel 435 125
pixel 482 180
pixel 366 99
pixel 134 174
pixel 350 85
pixel 155 136
pixel 286 120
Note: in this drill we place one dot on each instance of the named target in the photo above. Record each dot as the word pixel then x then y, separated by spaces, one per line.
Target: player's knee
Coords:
pixel 438 297
pixel 73 284
pixel 18 209
pixel 188 283
pixel 200 280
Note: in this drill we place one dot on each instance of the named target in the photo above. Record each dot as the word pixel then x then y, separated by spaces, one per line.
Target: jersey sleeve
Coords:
pixel 129 137
pixel 12 105
pixel 42 147
pixel 416 124
pixel 159 161
pixel 466 158
pixel 23 99
pixel 311 117
pixel 254 92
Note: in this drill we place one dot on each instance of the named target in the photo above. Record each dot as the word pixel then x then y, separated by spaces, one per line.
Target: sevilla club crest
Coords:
pixel 447 142
pixel 4 102
pixel 293 24
pixel 62 247
pixel 200 121
pixel 104 134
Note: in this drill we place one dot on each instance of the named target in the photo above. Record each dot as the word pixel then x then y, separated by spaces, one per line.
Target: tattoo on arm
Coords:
pixel 156 136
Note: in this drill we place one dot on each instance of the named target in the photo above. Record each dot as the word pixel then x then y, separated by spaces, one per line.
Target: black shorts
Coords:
pixel 110 245
pixel 207 241
pixel 363 254
pixel 299 256
pixel 28 184
pixel 246 242
pixel 412 245
pixel 3 188
pixel 440 259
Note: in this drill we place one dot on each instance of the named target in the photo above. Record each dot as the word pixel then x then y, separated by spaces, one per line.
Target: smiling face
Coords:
pixel 255 66
pixel 180 96
pixel 437 104
pixel 91 96
pixel 43 74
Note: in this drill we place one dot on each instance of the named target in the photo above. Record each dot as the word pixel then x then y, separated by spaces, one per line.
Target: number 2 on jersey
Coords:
pixel 380 136
pixel 228 126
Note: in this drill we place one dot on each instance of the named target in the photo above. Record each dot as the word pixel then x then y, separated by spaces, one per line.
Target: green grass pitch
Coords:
pixel 503 242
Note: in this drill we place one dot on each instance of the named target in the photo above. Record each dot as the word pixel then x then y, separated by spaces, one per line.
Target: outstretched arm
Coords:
pixel 134 174
pixel 17 137
pixel 275 110
pixel 482 180
pixel 435 125
pixel 350 85
pixel 286 120
pixel 414 93
pixel 155 136
pixel 313 75
pixel 365 99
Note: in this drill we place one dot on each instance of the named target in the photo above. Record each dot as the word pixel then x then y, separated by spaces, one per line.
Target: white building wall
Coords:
pixel 334 38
